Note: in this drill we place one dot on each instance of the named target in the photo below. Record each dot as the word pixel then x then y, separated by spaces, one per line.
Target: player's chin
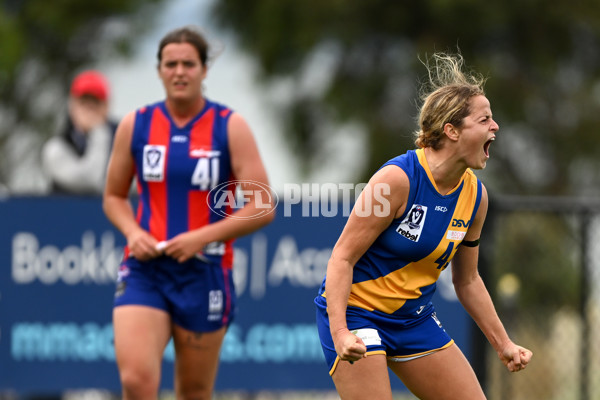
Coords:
pixel 484 159
pixel 179 95
pixel 479 165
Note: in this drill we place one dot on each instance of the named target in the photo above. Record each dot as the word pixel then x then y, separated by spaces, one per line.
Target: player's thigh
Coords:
pixel 197 358
pixel 141 335
pixel 367 378
pixel 443 375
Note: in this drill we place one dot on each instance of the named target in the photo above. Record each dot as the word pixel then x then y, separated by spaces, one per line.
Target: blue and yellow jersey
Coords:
pixel 397 275
pixel 176 168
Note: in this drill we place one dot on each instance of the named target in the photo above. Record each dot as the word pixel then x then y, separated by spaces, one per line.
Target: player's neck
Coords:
pixel 183 112
pixel 446 173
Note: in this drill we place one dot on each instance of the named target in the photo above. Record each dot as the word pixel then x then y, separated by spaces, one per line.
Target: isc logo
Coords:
pixel 460 223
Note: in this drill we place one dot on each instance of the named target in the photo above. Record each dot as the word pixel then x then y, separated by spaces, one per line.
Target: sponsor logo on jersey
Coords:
pixel 179 139
pixel 459 223
pixel 441 208
pixel 154 163
pixel 203 153
pixel 455 235
pixel 412 226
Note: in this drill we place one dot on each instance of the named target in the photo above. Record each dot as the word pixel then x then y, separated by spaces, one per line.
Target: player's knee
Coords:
pixel 139 384
pixel 194 389
pixel 198 393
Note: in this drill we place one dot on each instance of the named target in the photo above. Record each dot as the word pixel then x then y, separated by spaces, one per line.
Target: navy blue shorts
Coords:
pixel 399 338
pixel 199 296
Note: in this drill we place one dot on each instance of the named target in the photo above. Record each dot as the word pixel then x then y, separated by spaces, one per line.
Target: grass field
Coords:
pixel 285 395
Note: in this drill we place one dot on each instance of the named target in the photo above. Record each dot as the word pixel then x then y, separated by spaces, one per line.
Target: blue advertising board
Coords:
pixel 59 258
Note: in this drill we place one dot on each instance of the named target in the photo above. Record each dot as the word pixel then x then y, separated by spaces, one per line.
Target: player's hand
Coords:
pixel 142 245
pixel 348 346
pixel 183 246
pixel 515 357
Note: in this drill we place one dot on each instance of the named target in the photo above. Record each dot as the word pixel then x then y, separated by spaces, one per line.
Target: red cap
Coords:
pixel 92 83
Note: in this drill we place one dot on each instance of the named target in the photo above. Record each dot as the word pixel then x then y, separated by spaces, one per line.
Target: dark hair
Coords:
pixel 189 35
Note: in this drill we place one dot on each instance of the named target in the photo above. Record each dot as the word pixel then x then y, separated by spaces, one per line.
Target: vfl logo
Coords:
pixel 215 301
pixel 215 305
pixel 415 216
pixel 154 163
pixel 412 226
pixel 153 157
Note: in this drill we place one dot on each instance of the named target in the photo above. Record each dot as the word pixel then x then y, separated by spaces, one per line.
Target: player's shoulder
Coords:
pixel 125 128
pixel 410 157
pixel 398 169
pixel 222 110
pixel 471 179
pixel 407 162
pixel 127 121
pixel 391 182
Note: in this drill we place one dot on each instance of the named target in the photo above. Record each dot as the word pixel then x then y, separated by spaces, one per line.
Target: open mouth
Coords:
pixel 486 147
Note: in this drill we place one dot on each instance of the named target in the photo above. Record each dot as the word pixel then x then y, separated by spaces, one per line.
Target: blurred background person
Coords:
pixel 176 279
pixel 75 161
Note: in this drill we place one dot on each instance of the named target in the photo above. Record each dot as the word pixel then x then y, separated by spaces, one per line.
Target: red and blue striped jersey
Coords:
pixel 176 168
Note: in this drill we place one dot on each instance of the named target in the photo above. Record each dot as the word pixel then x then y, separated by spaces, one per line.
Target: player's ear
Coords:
pixel 451 132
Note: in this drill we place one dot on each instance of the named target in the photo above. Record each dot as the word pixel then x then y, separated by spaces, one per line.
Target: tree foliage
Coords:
pixel 542 251
pixel 542 61
pixel 42 44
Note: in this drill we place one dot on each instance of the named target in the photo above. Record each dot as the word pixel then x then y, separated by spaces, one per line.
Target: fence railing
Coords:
pixel 540 258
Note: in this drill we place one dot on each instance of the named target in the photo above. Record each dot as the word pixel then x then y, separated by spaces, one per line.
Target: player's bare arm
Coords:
pixel 382 200
pixel 475 298
pixel 116 203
